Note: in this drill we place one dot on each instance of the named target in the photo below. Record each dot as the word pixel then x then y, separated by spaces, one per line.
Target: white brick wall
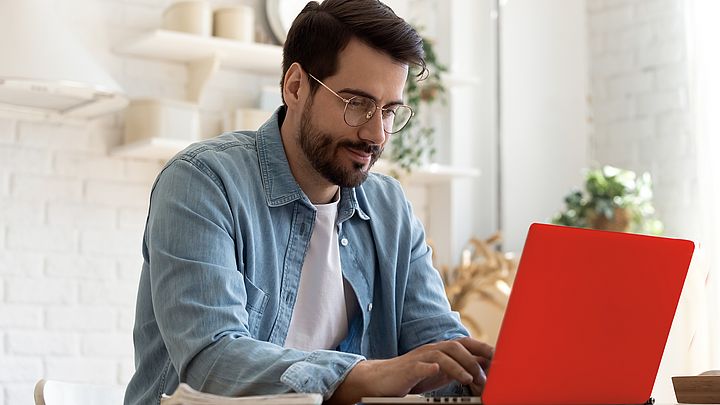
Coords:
pixel 84 368
pixel 80 215
pixel 20 369
pixel 7 130
pixel 41 291
pixel 78 267
pixel 24 160
pixel 45 187
pixel 639 78
pixel 53 136
pixel 98 318
pixel 21 317
pixel 49 343
pixel 117 192
pixel 4 184
pixel 21 211
pixel 71 220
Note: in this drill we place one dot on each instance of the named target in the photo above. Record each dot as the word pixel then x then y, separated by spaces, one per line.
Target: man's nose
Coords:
pixel 373 131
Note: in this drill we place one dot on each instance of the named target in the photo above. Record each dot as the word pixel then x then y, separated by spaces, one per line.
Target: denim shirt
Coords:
pixel 225 239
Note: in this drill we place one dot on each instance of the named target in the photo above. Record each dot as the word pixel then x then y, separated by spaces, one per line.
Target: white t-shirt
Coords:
pixel 319 319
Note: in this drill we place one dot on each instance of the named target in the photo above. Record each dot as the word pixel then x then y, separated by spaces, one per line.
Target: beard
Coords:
pixel 321 150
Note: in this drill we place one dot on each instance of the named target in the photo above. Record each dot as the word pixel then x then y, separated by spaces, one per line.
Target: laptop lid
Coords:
pixel 588 317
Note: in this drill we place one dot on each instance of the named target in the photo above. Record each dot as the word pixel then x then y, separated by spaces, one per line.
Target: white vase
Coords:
pixel 191 16
pixel 236 23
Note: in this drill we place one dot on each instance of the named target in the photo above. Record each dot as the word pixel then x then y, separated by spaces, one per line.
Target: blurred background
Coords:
pixel 595 113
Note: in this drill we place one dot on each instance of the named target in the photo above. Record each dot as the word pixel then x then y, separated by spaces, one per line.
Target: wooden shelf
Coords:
pixel 182 47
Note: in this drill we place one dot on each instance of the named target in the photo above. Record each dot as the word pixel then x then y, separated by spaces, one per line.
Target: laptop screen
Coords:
pixel 588 317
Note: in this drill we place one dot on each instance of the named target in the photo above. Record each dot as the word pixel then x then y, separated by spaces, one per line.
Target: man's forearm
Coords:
pixel 245 366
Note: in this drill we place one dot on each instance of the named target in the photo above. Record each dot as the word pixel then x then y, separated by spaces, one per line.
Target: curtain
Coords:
pixel 694 342
pixel 703 32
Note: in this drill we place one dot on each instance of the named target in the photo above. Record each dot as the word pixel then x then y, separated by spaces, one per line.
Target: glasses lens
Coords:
pixel 359 110
pixel 399 116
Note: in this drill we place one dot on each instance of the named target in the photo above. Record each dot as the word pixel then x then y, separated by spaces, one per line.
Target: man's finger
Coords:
pixel 483 362
pixel 477 387
pixel 462 356
pixel 449 366
pixel 477 347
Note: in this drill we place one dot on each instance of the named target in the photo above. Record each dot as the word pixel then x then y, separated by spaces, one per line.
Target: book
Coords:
pixel 186 395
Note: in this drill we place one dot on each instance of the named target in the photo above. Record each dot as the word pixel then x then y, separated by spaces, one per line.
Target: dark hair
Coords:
pixel 321 31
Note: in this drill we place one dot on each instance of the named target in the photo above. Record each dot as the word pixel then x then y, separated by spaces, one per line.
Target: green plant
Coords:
pixel 415 144
pixel 613 199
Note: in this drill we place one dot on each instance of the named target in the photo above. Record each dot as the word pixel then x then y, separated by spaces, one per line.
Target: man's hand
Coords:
pixel 423 369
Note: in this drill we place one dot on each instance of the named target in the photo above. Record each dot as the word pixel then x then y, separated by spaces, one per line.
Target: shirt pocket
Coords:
pixel 257 300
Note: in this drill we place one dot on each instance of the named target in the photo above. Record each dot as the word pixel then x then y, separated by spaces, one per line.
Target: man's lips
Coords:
pixel 360 155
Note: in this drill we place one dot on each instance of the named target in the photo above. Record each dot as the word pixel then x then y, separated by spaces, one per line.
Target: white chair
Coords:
pixel 51 392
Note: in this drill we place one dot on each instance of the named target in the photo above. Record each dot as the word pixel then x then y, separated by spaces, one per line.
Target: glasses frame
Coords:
pixel 347 102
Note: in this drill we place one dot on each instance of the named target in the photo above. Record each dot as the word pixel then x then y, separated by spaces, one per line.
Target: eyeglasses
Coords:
pixel 360 109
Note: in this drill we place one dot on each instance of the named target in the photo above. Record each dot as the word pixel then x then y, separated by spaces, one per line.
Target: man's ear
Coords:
pixel 294 86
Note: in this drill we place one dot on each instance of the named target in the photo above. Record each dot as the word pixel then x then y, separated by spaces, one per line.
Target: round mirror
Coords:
pixel 281 14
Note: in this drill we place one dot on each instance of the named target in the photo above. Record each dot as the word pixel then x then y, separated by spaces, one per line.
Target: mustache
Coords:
pixel 362 146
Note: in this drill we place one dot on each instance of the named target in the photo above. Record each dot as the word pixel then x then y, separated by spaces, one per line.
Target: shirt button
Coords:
pixel 344 241
pixel 370 307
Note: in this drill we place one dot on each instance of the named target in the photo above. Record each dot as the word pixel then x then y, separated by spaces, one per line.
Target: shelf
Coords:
pixel 430 174
pixel 153 148
pixel 57 100
pixel 182 47
pixel 78 116
pixel 204 55
pixel 164 149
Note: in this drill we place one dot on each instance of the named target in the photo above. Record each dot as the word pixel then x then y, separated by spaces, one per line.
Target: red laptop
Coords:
pixel 588 317
pixel 587 320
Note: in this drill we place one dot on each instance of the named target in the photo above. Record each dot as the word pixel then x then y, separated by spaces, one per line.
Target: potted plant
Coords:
pixel 415 144
pixel 613 199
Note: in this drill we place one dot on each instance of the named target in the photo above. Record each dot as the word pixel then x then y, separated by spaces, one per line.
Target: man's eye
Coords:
pixel 389 112
pixel 359 104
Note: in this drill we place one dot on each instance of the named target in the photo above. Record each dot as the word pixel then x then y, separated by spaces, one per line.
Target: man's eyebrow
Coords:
pixel 363 93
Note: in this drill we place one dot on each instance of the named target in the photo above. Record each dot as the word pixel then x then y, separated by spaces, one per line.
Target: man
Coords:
pixel 275 262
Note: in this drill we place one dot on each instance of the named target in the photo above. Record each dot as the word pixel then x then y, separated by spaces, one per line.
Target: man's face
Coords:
pixel 324 152
pixel 342 154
